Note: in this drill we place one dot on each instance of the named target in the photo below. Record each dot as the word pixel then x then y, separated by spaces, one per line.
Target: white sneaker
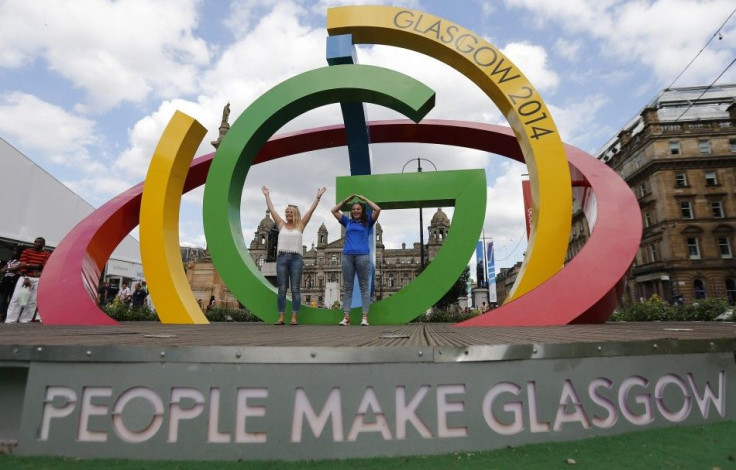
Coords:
pixel 344 322
pixel 364 322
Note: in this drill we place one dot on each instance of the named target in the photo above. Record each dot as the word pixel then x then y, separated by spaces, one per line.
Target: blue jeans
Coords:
pixel 352 264
pixel 289 268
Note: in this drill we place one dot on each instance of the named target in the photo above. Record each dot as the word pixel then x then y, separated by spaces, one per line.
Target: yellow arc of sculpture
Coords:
pixel 159 222
pixel 509 89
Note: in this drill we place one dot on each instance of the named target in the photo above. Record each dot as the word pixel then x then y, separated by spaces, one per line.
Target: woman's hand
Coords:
pixel 321 191
pixel 265 191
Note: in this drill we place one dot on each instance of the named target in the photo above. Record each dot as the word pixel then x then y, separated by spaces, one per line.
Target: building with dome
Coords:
pixel 322 277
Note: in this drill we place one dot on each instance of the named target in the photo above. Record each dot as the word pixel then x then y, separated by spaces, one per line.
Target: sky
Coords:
pixel 88 86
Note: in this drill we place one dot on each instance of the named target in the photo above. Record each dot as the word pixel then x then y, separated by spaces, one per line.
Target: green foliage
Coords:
pixel 121 312
pixel 452 314
pixel 219 314
pixel 655 309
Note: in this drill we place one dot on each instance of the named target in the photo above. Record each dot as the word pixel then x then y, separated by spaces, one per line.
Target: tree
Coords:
pixel 459 289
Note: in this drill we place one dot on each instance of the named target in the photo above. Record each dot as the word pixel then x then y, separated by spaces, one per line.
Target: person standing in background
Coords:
pixel 32 261
pixel 9 274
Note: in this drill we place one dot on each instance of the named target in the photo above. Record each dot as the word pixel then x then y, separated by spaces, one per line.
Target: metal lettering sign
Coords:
pixel 310 411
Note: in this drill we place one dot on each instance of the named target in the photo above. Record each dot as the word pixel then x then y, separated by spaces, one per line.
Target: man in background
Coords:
pixel 32 261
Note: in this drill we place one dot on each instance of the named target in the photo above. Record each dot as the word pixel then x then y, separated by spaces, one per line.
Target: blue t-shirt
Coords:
pixel 356 236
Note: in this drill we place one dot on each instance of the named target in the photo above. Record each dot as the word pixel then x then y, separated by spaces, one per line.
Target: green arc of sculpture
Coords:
pixel 299 94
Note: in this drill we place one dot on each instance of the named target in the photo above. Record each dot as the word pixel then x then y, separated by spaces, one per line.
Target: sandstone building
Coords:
pixel 322 276
pixel 678 156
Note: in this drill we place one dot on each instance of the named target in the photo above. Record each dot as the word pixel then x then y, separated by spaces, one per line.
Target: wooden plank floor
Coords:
pixel 416 334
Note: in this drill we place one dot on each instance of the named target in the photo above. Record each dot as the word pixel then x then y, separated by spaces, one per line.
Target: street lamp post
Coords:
pixel 421 216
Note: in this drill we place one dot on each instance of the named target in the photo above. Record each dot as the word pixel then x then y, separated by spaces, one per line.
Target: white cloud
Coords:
pixel 114 51
pixel 663 34
pixel 574 120
pixel 98 189
pixel 532 61
pixel 41 127
pixel 570 50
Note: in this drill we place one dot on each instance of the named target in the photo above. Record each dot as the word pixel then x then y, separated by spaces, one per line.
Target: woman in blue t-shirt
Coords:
pixel 355 255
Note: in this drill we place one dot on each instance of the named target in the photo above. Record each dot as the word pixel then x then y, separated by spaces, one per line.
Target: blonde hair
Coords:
pixel 297 217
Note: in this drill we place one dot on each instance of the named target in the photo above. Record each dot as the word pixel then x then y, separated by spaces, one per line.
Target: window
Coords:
pixel 642 190
pixel 260 261
pixel 711 179
pixel 725 246
pixel 681 180
pixel 653 252
pixel 693 248
pixel 716 208
pixel 731 291
pixel 686 208
pixel 704 146
pixel 333 260
pixel 310 282
pixel 674 147
pixel 390 280
pixel 647 219
pixel 732 147
pixel 405 281
pixel 699 288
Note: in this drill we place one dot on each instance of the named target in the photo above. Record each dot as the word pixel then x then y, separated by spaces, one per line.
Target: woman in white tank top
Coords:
pixel 289 263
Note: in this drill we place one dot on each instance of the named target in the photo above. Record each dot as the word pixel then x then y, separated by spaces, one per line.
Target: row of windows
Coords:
pixel 390 281
pixel 704 146
pixel 693 247
pixel 715 206
pixel 687 211
pixel 334 261
pixel 710 178
pixel 700 289
pixel 651 253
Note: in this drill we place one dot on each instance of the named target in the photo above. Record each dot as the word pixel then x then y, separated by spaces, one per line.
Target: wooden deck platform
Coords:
pixel 605 338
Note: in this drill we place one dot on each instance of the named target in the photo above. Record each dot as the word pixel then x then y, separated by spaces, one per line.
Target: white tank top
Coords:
pixel 290 241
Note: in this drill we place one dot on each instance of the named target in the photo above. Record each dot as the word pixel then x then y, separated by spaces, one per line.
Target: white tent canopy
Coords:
pixel 35 204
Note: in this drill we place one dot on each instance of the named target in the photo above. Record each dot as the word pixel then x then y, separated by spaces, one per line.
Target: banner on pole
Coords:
pixel 491 273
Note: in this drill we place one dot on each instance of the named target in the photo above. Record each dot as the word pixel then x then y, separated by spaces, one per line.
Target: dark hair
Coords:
pixel 363 217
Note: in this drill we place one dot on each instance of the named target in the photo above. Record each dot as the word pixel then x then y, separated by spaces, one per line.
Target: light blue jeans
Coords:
pixel 352 264
pixel 289 268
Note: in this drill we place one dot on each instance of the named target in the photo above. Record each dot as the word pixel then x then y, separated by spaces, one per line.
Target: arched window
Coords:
pixel 310 282
pixel 263 239
pixel 333 260
pixel 699 289
pixel 333 277
pixel 405 281
pixel 260 261
pixel 731 291
pixel 390 280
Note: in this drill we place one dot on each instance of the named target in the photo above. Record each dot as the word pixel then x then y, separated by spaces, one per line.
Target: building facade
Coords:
pixel 322 275
pixel 678 156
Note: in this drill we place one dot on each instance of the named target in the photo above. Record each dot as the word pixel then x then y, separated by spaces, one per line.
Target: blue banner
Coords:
pixel 491 274
pixel 480 271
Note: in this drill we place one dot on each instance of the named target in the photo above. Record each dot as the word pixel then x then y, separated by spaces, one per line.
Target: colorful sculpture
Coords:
pixel 542 295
